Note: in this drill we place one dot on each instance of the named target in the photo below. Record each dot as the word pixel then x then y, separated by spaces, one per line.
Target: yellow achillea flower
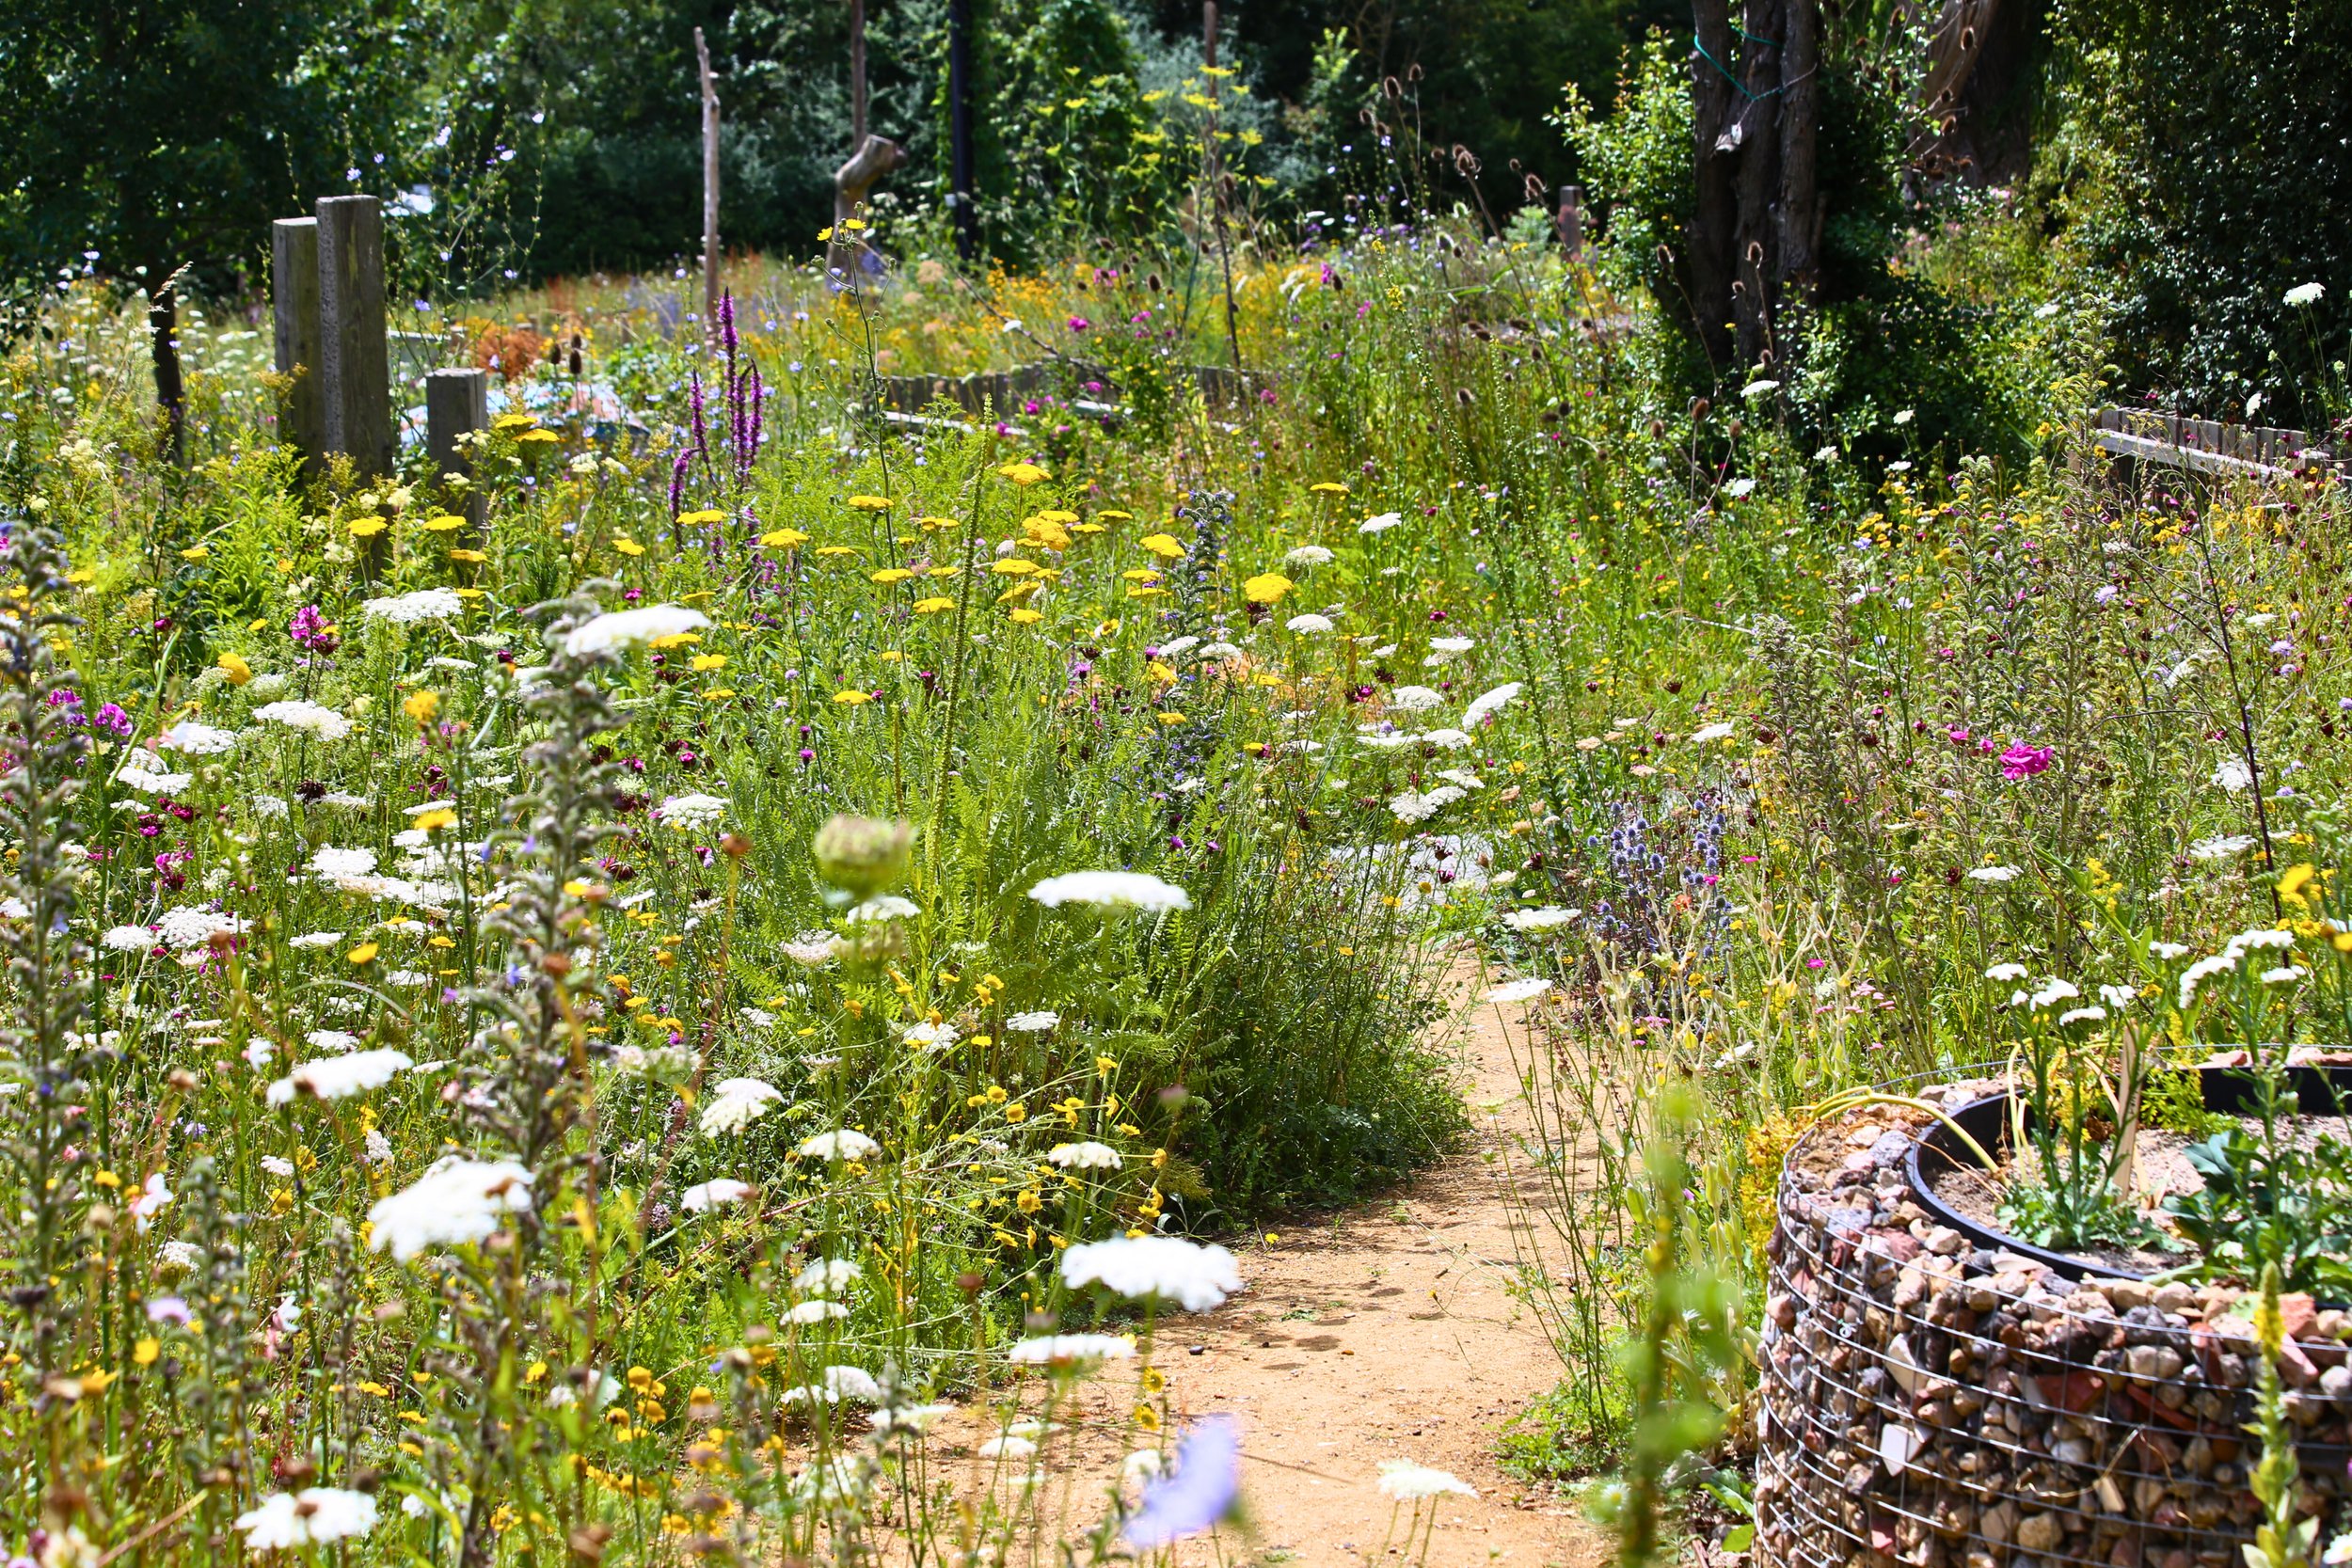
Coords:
pixel 1163 545
pixel 933 606
pixel 1266 588
pixel 629 546
pixel 851 698
pixel 1328 488
pixel 707 514
pixel 363 954
pixel 1023 474
pixel 870 503
pixel 443 523
pixel 889 575
pixel 783 539
pixel 1025 616
pixel 237 670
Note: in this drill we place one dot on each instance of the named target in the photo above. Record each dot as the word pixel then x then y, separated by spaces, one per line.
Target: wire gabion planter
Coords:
pixel 1935 1401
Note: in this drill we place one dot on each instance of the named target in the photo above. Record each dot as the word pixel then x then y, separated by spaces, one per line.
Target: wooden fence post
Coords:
pixel 710 190
pixel 1572 221
pixel 294 309
pixel 356 383
pixel 457 402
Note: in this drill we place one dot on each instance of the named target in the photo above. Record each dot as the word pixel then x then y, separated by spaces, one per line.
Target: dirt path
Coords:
pixel 1384 1331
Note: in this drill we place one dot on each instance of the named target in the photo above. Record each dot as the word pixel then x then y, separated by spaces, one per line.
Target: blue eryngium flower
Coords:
pixel 1203 1490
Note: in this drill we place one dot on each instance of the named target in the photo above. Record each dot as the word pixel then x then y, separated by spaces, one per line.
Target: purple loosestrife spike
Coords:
pixel 677 485
pixel 1203 1490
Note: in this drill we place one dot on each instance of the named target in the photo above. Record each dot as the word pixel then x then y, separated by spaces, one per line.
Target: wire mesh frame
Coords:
pixel 2060 1428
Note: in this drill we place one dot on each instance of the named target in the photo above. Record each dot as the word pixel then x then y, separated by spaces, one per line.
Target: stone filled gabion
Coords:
pixel 1940 1404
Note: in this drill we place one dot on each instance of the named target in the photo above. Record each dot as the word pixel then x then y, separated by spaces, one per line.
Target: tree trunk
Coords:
pixel 1755 261
pixel 1756 219
pixel 1800 214
pixel 1706 268
pixel 163 326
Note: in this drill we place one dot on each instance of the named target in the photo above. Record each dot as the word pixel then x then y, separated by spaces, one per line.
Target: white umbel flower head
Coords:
pixel 1414 698
pixel 1490 703
pixel 1084 1156
pixel 1380 523
pixel 315 719
pixel 1308 555
pixel 692 810
pixel 710 1195
pixel 456 1202
pixel 408 609
pixel 1408 1482
pixel 2305 294
pixel 1019 1023
pixel 198 740
pixel 837 1384
pixel 621 629
pixel 340 1077
pixel 314 1516
pixel 1994 874
pixel 1518 991
pixel 1549 918
pixel 736 1102
pixel 1309 624
pixel 1112 890
pixel 1072 1350
pixel 1167 1268
pixel 827 1276
pixel 845 1144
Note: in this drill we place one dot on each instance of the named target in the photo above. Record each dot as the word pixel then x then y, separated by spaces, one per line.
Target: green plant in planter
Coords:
pixel 2268 1199
pixel 2082 1072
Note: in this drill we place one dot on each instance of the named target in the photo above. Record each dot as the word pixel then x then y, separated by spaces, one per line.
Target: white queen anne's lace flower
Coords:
pixel 1308 555
pixel 1408 1482
pixel 692 810
pixel 1518 991
pixel 456 1202
pixel 1414 698
pixel 1994 874
pixel 709 1194
pixel 408 609
pixel 314 1516
pixel 1490 703
pixel 621 629
pixel 198 740
pixel 1309 624
pixel 310 717
pixel 1112 890
pixel 340 1077
pixel 1549 918
pixel 1066 1350
pixel 1084 1156
pixel 845 1144
pixel 734 1103
pixel 1031 1022
pixel 1167 1268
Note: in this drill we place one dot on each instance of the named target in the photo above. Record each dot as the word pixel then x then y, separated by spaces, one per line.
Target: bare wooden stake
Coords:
pixel 710 189
pixel 457 402
pixel 294 285
pixel 355 381
pixel 857 76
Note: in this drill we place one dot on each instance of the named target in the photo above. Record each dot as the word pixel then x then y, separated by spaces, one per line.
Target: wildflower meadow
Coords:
pixel 765 957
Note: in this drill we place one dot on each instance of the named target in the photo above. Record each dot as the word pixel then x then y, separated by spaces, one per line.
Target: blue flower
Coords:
pixel 1203 1490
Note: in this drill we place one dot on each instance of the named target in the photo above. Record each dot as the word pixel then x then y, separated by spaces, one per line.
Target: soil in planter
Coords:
pixel 2164 1170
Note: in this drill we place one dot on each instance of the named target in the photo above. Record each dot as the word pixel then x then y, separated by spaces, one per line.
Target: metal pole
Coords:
pixel 959 126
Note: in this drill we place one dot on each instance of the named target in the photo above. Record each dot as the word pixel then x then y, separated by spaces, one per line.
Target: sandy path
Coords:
pixel 1386 1330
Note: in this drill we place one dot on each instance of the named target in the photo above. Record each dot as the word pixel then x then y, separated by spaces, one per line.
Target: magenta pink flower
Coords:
pixel 2022 761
